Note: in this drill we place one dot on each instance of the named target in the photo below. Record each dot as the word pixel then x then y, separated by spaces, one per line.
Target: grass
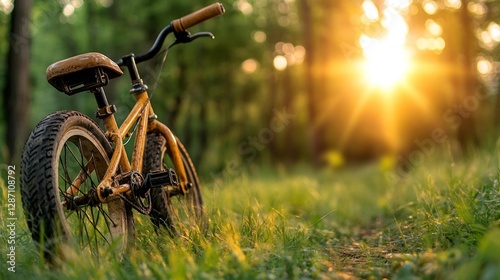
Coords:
pixel 440 221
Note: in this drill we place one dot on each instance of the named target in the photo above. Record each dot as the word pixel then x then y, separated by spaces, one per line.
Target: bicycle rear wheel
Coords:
pixel 178 214
pixel 65 146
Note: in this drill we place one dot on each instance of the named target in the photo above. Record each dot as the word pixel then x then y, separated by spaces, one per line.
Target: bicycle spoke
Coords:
pixel 92 224
pixel 80 163
pixel 82 167
pixel 68 182
pixel 82 228
pixel 95 227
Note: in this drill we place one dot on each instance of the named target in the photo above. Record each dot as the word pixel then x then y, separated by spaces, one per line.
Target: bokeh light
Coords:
pixel 6 6
pixel 370 10
pixel 244 7
pixel 433 27
pixel 259 36
pixel 484 66
pixel 430 7
pixel 249 66
pixel 280 63
pixel 454 4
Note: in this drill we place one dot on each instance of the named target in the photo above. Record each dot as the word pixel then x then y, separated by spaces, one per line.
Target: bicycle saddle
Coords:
pixel 82 72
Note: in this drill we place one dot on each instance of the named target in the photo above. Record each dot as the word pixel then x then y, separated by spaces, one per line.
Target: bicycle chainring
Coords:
pixel 136 199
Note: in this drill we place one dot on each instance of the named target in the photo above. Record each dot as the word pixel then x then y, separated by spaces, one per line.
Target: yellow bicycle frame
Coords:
pixel 143 114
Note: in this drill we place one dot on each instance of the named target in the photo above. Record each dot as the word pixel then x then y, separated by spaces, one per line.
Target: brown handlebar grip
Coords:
pixel 194 18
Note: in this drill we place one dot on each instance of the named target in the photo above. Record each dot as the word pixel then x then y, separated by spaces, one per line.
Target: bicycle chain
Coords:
pixel 135 180
pixel 140 208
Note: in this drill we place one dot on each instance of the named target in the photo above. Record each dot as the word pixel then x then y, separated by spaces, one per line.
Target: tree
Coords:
pixel 467 131
pixel 17 87
pixel 315 133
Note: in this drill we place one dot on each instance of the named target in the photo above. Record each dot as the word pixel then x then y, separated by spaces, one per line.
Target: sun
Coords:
pixel 386 58
pixel 386 63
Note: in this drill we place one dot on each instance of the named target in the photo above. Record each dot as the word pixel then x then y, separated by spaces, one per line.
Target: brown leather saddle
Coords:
pixel 82 72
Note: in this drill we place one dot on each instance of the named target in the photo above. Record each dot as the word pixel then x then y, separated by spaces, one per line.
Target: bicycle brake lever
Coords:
pixel 186 37
pixel 201 35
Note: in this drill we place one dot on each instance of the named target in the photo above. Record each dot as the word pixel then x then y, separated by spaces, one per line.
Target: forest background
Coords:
pixel 287 86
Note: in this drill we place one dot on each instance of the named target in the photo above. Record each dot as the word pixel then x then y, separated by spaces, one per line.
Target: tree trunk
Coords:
pixel 315 129
pixel 17 87
pixel 289 88
pixel 467 133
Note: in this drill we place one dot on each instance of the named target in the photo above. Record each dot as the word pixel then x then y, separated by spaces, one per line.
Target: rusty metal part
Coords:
pixel 107 181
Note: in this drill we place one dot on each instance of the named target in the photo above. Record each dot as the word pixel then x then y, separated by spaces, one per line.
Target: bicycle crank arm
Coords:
pixel 107 192
pixel 161 179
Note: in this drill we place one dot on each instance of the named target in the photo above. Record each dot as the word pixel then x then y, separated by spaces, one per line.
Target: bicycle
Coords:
pixel 78 185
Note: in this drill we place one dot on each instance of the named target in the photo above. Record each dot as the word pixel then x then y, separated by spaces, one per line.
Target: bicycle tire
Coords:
pixel 182 213
pixel 49 165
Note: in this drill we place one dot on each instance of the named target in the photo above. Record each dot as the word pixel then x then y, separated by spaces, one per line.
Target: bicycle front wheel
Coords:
pixel 64 160
pixel 178 214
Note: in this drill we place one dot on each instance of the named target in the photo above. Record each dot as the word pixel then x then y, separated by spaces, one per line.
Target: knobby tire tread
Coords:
pixel 153 161
pixel 39 196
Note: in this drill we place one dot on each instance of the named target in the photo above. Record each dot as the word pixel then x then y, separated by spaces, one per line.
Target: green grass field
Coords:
pixel 440 221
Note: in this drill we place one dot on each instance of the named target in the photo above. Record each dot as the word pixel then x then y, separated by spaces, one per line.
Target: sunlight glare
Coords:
pixel 454 4
pixel 386 63
pixel 386 59
pixel 396 26
pixel 370 10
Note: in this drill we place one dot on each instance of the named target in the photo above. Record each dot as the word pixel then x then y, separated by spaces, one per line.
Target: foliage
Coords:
pixel 440 222
pixel 218 109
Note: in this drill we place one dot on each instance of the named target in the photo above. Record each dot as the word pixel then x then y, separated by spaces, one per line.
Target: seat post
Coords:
pixel 102 103
pixel 100 97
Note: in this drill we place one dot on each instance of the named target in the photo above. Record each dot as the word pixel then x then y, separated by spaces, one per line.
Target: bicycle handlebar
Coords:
pixel 179 25
pixel 194 18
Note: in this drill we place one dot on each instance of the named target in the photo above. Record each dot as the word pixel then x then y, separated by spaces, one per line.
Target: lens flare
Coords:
pixel 386 58
pixel 386 63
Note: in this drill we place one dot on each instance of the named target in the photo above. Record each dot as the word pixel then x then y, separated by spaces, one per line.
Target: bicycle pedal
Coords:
pixel 159 179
